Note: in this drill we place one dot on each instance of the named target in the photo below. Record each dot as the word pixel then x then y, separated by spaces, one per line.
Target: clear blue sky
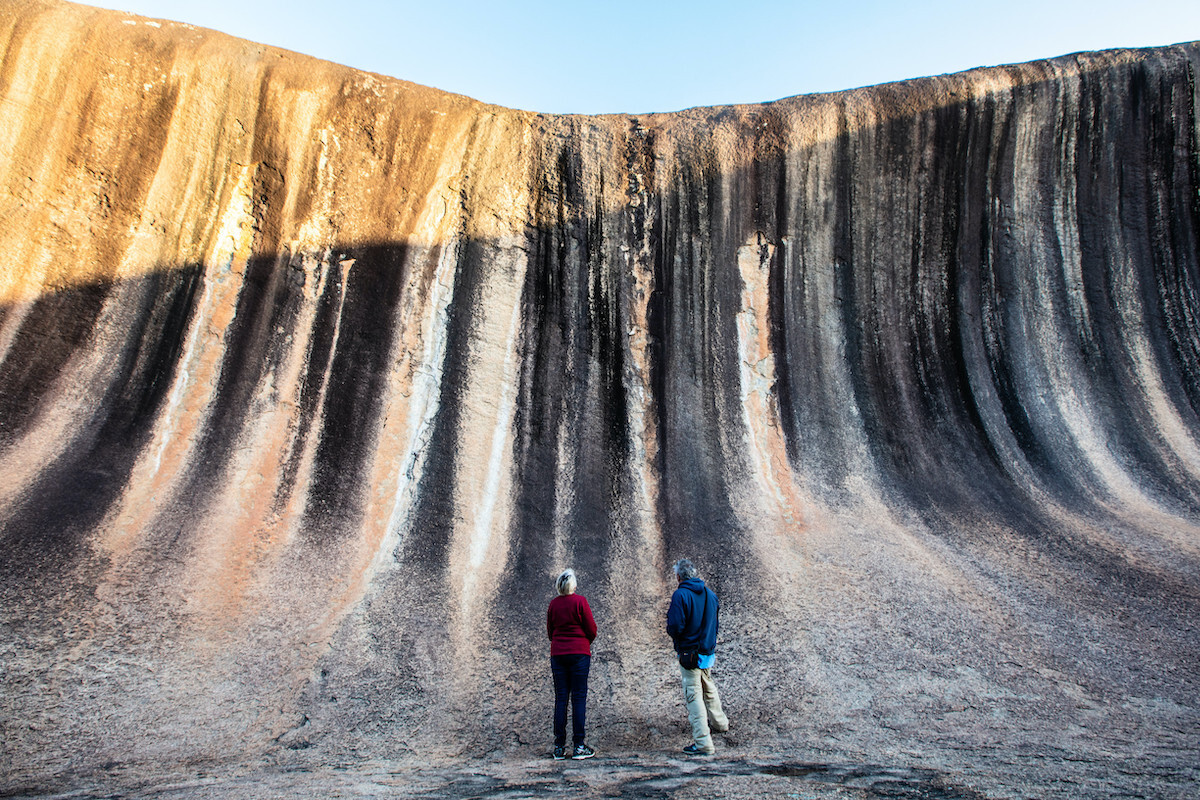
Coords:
pixel 637 56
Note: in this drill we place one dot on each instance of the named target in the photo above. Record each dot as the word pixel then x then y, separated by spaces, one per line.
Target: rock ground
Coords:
pixel 641 776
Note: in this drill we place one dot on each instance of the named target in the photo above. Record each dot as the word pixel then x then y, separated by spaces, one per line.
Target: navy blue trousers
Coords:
pixel 570 683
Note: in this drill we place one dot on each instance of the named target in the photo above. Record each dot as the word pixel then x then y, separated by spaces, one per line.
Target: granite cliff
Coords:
pixel 311 380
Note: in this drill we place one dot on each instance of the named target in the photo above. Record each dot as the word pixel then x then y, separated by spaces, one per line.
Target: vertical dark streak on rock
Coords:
pixel 535 440
pixel 1165 217
pixel 358 375
pixel 48 335
pixel 285 313
pixel 426 543
pixel 962 287
pixel 1143 205
pixel 1004 340
pixel 1181 292
pixel 161 345
pixel 773 188
pixel 1094 193
pixel 245 358
pixel 846 293
pixel 610 348
pixel 660 319
pixel 967 272
pixel 549 327
pixel 46 528
pixel 698 352
pixel 665 323
pixel 570 388
pixel 1117 288
pixel 585 394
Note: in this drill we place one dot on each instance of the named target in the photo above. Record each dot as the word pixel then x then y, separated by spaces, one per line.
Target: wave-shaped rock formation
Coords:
pixel 313 379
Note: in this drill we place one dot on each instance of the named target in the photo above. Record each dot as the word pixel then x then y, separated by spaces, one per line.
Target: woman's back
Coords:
pixel 570 625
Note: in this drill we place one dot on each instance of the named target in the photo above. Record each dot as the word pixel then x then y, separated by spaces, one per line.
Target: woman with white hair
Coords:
pixel 571 629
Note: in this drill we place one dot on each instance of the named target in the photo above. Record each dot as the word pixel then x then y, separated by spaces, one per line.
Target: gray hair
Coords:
pixel 686 569
pixel 565 584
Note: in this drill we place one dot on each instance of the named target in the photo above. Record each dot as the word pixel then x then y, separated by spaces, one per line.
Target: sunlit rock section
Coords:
pixel 312 380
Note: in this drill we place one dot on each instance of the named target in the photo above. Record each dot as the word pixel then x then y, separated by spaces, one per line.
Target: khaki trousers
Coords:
pixel 703 706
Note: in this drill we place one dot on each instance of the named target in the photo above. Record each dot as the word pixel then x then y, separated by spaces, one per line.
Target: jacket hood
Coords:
pixel 694 585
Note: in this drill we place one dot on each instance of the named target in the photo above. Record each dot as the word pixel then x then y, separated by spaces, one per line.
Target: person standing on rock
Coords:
pixel 571 629
pixel 692 625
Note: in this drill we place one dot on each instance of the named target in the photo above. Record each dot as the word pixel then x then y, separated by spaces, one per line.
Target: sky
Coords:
pixel 640 56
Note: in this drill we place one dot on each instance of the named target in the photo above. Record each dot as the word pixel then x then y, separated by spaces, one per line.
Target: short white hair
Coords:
pixel 565 584
pixel 686 569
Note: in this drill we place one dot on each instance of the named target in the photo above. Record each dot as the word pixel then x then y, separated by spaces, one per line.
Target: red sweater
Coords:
pixel 570 626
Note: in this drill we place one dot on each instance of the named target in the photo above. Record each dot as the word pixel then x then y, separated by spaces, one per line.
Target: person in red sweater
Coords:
pixel 571 629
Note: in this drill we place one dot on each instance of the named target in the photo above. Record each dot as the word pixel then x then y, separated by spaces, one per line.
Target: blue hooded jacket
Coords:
pixel 692 617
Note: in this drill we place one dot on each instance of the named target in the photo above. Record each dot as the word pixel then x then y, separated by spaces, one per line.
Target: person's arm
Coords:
pixel 549 626
pixel 675 617
pixel 717 611
pixel 587 622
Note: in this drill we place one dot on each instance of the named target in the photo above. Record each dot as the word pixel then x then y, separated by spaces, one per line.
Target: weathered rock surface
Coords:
pixel 312 379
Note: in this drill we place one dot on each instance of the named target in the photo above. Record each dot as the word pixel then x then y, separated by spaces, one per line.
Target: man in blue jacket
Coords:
pixel 692 625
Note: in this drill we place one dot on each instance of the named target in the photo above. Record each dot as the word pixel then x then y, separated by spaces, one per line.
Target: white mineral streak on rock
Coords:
pixel 18 312
pixel 486 430
pixel 760 414
pixel 1181 448
pixel 564 495
pixel 314 244
pixel 646 540
pixel 155 477
pixel 221 243
pixel 500 452
pixel 1053 348
pixel 415 381
pixel 1175 443
pixel 484 482
pixel 643 432
pixel 423 397
pixel 39 446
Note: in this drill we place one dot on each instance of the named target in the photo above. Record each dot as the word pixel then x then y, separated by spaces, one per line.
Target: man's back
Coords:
pixel 692 618
pixel 692 626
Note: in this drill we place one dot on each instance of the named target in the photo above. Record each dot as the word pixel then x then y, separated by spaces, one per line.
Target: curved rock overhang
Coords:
pixel 311 380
